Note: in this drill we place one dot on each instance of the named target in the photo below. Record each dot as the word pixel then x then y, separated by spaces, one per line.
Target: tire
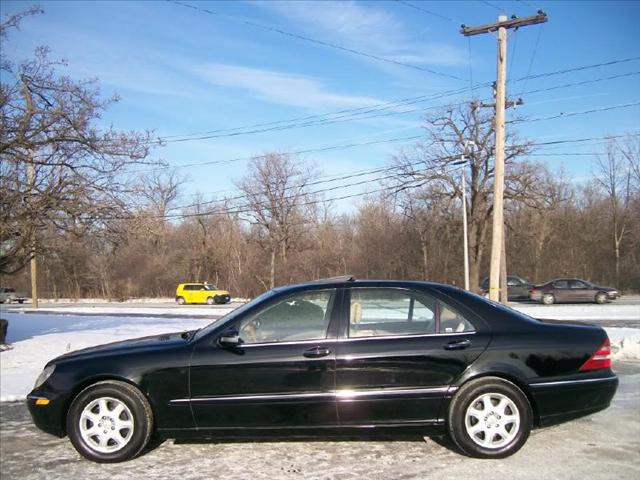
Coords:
pixel 210 301
pixel 548 299
pixel 180 301
pixel 601 298
pixel 21 301
pixel 501 432
pixel 97 407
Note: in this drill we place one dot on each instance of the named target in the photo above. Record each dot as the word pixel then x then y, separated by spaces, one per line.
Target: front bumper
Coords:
pixel 49 418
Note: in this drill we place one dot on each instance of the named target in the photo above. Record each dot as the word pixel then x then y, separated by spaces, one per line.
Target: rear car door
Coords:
pixel 399 351
pixel 562 292
pixel 281 376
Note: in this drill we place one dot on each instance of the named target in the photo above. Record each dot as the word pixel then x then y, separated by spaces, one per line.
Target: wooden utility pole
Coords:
pixel 31 178
pixel 501 26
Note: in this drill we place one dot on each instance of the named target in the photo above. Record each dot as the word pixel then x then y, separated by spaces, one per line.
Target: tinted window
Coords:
pixel 561 284
pixel 301 316
pixel 512 281
pixel 578 284
pixel 385 311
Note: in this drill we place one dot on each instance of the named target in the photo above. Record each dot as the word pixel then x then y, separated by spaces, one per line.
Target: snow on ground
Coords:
pixel 587 311
pixel 101 309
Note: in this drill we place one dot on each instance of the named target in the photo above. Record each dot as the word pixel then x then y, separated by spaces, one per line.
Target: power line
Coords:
pixel 408 4
pixel 493 6
pixel 362 173
pixel 573 114
pixel 533 55
pixel 354 114
pixel 319 42
pixel 295 152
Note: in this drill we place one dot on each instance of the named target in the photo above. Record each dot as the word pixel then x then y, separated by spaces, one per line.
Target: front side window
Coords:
pixel 385 311
pixel 301 316
pixel 578 284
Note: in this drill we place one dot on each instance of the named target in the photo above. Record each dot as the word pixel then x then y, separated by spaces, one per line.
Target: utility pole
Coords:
pixel 501 26
pixel 31 178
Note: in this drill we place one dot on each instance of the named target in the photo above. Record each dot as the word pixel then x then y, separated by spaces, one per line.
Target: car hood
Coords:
pixel 165 340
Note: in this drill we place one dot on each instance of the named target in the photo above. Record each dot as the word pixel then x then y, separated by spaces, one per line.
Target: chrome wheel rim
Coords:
pixel 106 425
pixel 492 420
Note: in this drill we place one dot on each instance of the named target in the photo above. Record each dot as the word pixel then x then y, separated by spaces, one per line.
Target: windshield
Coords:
pixel 238 311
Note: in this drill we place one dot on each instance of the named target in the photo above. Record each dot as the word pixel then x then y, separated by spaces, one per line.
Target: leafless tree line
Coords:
pixel 280 232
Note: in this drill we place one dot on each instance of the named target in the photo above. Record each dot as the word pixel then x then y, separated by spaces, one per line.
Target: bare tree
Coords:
pixel 450 135
pixel 57 168
pixel 614 179
pixel 276 194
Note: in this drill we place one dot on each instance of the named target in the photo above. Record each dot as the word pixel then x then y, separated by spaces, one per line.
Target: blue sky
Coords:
pixel 180 70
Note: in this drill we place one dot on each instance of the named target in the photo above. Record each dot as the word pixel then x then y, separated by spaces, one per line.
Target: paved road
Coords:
pixel 602 446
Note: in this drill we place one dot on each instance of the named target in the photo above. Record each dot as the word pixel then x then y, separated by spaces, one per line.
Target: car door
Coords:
pixel 399 351
pixel 562 292
pixel 514 287
pixel 581 291
pixel 281 375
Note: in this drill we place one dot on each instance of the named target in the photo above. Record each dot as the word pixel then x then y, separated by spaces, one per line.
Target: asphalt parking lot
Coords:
pixel 602 446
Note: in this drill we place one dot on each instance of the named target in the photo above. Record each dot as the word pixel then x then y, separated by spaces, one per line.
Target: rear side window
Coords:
pixel 385 311
pixel 561 284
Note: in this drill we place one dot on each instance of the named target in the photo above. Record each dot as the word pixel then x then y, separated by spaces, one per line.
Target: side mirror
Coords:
pixel 230 338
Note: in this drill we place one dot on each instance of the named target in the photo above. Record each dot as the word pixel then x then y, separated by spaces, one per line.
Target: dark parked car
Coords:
pixel 518 288
pixel 333 357
pixel 572 290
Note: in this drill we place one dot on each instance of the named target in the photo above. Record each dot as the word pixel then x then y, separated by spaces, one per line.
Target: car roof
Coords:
pixel 351 281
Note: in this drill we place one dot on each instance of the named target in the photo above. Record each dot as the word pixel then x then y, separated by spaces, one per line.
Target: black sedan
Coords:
pixel 333 357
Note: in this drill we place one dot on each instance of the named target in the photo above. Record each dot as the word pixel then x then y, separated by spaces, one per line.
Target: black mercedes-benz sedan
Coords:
pixel 332 357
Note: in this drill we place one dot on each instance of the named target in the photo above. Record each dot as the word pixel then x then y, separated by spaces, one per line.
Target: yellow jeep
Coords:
pixel 201 293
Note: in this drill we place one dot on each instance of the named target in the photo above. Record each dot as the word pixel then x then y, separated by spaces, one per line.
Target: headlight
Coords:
pixel 46 373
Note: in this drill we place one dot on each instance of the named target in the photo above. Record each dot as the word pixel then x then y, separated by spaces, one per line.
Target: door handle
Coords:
pixel 316 352
pixel 458 345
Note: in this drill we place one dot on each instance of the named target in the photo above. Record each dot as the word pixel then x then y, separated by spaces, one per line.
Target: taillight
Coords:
pixel 600 359
pixel 533 289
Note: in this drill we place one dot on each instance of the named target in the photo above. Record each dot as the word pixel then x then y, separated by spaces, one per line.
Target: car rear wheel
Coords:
pixel 601 298
pixel 490 418
pixel 548 299
pixel 180 300
pixel 210 301
pixel 110 422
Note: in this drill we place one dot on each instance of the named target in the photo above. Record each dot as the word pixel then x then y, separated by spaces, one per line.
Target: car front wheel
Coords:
pixel 110 422
pixel 210 301
pixel 490 418
pixel 601 298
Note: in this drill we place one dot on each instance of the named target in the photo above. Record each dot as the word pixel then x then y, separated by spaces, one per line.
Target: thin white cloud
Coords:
pixel 280 87
pixel 370 29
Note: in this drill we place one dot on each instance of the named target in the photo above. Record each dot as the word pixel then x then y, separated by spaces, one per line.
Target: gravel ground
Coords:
pixel 602 446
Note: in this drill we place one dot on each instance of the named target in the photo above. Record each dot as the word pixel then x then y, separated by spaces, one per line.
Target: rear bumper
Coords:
pixel 558 401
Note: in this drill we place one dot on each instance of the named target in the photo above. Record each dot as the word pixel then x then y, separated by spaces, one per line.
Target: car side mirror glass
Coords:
pixel 230 338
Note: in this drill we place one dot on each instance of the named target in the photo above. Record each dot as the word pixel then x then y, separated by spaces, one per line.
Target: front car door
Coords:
pixel 399 351
pixel 282 374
